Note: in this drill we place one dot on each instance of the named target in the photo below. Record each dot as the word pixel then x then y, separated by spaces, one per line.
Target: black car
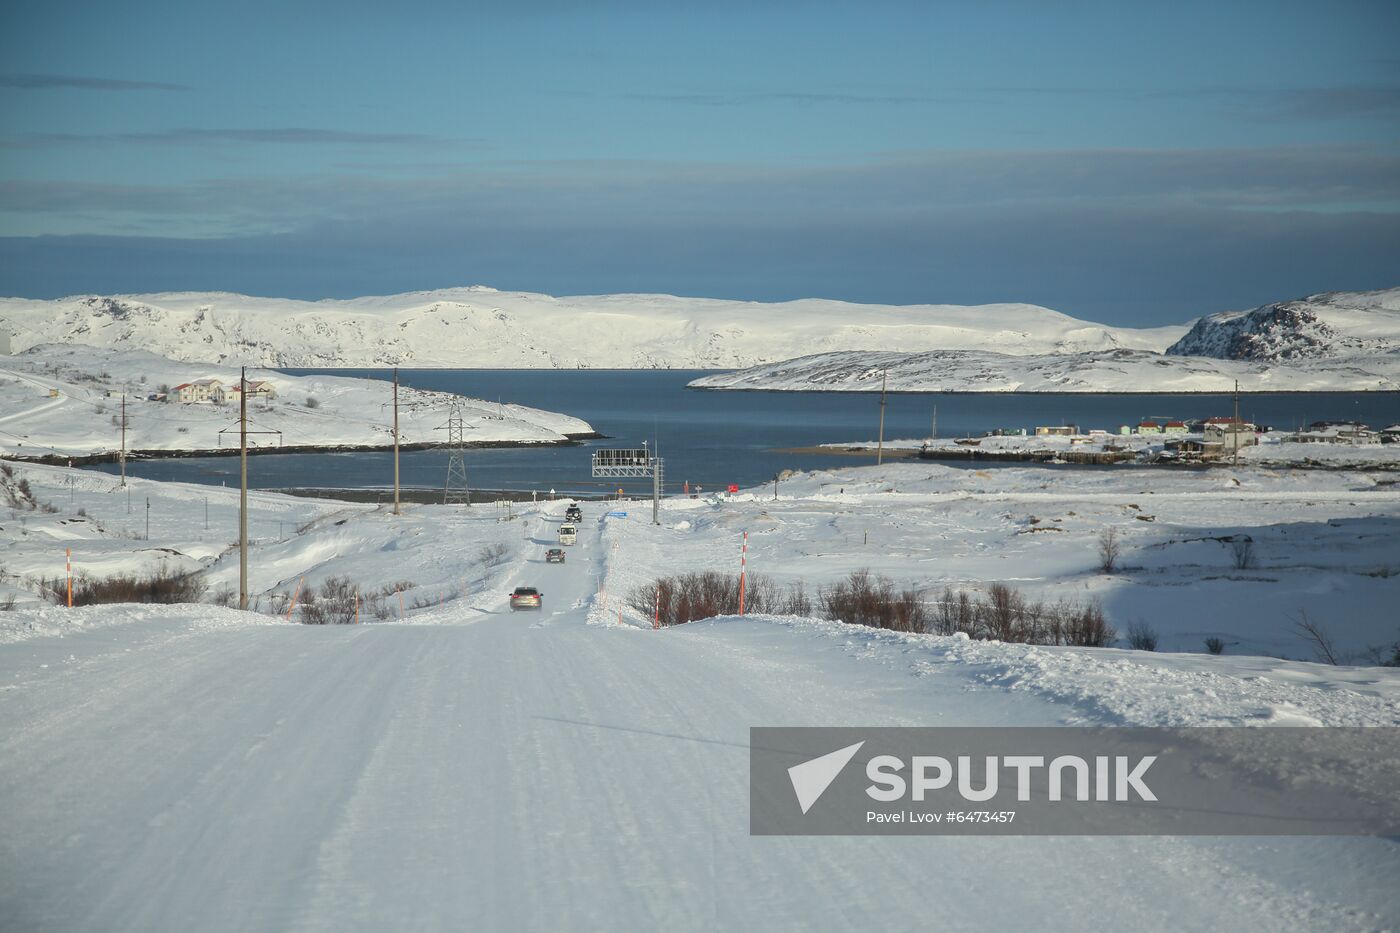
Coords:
pixel 573 514
pixel 554 555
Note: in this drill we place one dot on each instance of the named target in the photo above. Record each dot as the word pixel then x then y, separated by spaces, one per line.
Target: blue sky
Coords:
pixel 1135 163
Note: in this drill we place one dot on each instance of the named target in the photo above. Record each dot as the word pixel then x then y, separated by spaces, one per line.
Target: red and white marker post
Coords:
pixel 743 570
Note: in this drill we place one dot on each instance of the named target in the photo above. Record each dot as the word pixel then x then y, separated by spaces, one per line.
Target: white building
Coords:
pixel 1231 435
pixel 257 389
pixel 1355 434
pixel 201 390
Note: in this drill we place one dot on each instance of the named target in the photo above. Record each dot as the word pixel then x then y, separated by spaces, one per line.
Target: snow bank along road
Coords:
pixel 194 771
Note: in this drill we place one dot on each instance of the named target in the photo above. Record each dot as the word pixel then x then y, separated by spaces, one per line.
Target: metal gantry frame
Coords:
pixel 634 463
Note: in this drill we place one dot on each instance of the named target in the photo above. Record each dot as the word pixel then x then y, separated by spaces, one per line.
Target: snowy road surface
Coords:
pixel 530 771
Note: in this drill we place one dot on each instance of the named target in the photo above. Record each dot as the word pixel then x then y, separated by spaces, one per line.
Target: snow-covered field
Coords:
pixel 193 767
pixel 1322 544
pixel 66 401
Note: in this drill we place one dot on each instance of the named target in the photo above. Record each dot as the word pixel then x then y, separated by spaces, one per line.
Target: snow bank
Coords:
pixel 59 621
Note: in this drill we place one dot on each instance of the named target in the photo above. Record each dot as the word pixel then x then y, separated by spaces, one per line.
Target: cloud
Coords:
pixel 37 82
pixel 197 136
pixel 1334 103
pixel 741 98
pixel 1119 264
pixel 1124 236
pixel 583 194
pixel 1270 104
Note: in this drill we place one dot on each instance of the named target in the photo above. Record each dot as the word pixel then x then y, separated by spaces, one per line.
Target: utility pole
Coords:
pixel 933 426
pixel 243 489
pixel 396 441
pixel 123 456
pixel 880 450
pixel 1235 428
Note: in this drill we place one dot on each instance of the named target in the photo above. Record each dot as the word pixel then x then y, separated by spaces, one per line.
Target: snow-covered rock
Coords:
pixel 1328 326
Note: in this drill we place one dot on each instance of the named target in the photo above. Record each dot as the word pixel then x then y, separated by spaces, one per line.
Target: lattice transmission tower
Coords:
pixel 456 488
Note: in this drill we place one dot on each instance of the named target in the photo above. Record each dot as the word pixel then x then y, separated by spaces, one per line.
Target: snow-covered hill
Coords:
pixel 1112 371
pixel 66 401
pixel 482 327
pixel 1329 326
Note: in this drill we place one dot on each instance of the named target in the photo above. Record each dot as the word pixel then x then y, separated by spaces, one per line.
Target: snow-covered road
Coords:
pixel 531 771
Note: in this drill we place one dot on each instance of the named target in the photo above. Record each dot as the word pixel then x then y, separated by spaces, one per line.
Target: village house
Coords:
pixel 1175 427
pixel 1332 432
pixel 1391 435
pixel 1149 427
pixel 259 389
pixel 1229 434
pixel 1055 430
pixel 201 390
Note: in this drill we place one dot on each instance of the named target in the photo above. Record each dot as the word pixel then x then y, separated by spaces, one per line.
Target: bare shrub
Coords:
pixel 160 586
pixel 864 599
pixel 1315 634
pixel 999 616
pixel 1087 627
pixel 794 601
pixel 492 554
pixel 1242 549
pixel 224 596
pixel 1215 645
pixel 1109 549
pixel 955 612
pixel 8 603
pixel 333 605
pixel 697 595
pixel 1142 637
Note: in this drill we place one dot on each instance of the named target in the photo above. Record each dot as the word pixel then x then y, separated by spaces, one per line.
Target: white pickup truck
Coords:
pixel 568 534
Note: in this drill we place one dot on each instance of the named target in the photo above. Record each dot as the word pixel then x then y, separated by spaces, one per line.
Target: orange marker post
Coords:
pixel 295 594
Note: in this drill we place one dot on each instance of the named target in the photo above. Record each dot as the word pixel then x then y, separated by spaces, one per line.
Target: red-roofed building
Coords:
pixel 201 390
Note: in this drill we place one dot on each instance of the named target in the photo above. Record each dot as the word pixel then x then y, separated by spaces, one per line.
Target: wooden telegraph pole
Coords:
pixel 880 449
pixel 1235 428
pixel 396 441
pixel 243 489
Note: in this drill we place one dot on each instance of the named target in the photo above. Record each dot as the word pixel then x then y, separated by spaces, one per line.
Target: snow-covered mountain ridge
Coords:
pixel 1332 325
pixel 1116 371
pixel 482 327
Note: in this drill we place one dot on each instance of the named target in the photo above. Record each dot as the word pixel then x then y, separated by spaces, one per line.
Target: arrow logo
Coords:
pixel 811 778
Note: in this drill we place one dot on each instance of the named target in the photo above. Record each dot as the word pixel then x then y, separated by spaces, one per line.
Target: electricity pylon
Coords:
pixel 456 488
